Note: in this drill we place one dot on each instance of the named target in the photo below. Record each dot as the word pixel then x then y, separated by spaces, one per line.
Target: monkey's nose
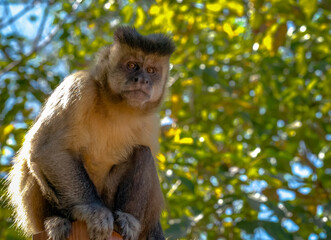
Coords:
pixel 140 80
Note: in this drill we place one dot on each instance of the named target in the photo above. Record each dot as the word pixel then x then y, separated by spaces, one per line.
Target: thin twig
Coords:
pixel 8 14
pixel 41 27
pixel 17 16
pixel 6 54
pixel 45 42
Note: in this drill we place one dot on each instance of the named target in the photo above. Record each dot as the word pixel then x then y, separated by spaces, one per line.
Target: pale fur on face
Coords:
pixel 117 78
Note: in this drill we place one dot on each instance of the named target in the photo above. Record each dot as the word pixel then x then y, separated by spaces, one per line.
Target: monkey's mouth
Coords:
pixel 136 95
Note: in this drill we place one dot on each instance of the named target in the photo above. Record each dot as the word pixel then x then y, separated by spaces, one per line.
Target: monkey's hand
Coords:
pixel 57 228
pixel 98 218
pixel 128 224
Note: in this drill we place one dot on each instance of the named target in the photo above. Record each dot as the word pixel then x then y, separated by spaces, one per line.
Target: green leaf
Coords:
pixel 188 183
pixel 141 17
pixel 308 7
pixel 127 13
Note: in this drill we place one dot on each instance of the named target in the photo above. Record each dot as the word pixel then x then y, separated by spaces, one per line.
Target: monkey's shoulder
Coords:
pixel 60 110
pixel 71 91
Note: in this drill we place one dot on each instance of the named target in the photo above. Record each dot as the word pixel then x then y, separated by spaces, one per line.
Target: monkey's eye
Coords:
pixel 132 65
pixel 150 70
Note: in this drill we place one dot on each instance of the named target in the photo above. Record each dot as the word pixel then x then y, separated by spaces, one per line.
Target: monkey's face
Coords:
pixel 140 79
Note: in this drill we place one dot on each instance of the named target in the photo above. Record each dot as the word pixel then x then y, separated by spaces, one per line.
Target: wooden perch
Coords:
pixel 78 232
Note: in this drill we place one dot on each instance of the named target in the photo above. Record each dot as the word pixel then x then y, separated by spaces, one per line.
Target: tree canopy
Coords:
pixel 245 127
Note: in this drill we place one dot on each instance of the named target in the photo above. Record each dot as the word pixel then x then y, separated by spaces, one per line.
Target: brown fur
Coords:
pixel 88 126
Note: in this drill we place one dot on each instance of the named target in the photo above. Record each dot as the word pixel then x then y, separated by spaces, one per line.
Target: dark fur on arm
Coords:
pixel 72 197
pixel 138 196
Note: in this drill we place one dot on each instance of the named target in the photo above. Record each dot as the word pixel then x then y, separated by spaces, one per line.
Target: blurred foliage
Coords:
pixel 245 144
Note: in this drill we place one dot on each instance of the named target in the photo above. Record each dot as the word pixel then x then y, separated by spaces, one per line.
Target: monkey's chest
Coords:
pixel 99 160
pixel 109 143
pixel 106 152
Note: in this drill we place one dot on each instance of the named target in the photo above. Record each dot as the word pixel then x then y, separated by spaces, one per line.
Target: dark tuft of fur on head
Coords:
pixel 154 43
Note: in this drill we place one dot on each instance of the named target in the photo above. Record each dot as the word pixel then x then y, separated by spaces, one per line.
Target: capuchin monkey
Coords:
pixel 89 155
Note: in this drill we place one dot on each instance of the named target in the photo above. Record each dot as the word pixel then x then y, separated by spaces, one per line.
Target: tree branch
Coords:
pixel 41 26
pixel 45 42
pixel 8 14
pixel 6 54
pixel 17 16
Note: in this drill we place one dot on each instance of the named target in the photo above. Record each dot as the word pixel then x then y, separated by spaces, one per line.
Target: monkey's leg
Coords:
pixel 139 197
pixel 71 193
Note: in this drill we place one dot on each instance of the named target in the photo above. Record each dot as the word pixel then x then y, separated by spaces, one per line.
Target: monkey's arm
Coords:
pixel 63 179
pixel 66 185
pixel 58 166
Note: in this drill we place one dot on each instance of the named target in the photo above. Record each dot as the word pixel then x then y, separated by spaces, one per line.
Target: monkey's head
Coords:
pixel 135 68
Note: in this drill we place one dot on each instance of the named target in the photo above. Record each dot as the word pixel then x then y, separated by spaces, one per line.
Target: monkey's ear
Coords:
pixel 101 64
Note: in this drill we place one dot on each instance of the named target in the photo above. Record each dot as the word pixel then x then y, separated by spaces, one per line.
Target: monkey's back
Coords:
pixel 26 198
pixel 23 190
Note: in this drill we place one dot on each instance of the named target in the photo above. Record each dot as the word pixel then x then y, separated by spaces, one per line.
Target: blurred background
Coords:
pixel 245 128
